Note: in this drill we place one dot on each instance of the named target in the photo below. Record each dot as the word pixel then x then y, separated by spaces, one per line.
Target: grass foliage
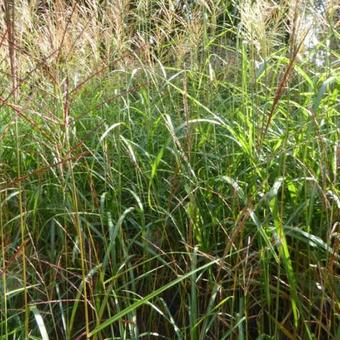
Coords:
pixel 169 170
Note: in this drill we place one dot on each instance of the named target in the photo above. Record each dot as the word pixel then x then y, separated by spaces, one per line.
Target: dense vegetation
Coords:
pixel 169 169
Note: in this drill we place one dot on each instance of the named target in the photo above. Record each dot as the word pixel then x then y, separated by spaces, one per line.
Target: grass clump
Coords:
pixel 169 170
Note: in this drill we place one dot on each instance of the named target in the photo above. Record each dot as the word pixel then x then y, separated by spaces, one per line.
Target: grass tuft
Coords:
pixel 169 169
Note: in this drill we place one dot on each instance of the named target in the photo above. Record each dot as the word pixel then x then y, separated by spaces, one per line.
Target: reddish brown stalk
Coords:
pixel 65 30
pixel 29 73
pixel 3 37
pixel 281 87
pixel 239 226
pixel 92 75
pixel 44 169
pixel 77 37
pixel 17 252
pixel 13 48
pixel 19 111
